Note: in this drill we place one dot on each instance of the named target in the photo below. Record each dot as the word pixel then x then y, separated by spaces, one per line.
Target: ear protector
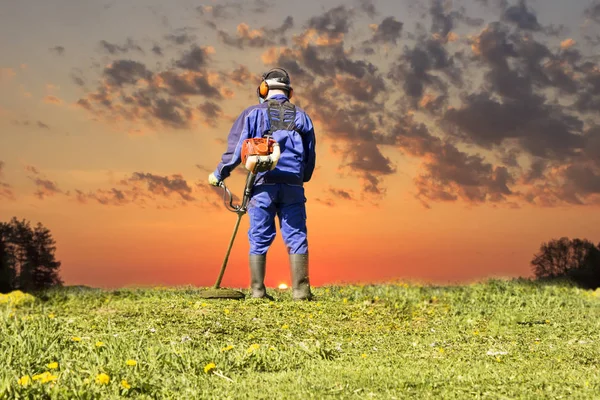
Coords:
pixel 280 83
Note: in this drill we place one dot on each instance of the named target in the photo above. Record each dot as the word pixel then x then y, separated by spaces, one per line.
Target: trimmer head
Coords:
pixel 221 293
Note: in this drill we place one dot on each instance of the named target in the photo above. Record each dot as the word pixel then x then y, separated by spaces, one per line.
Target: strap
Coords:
pixel 282 116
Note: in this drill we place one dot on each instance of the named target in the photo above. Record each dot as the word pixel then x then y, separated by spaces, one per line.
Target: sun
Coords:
pixel 282 286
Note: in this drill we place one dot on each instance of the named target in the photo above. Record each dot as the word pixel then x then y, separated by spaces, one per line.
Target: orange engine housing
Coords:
pixel 256 147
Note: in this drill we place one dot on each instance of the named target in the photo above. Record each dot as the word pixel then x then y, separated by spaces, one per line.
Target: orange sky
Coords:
pixel 458 199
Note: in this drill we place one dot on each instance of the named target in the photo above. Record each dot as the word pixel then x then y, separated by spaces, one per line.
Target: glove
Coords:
pixel 212 179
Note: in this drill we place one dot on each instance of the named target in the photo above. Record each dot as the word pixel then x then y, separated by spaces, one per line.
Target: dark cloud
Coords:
pixel 113 49
pixel 194 60
pixel 180 39
pixel 211 112
pixel 341 194
pixel 536 171
pixel 585 179
pixel 164 185
pixel 332 24
pixel 522 16
pixel 60 50
pixel 441 22
pixel 156 49
pixel 123 72
pixel 183 84
pixel 161 191
pixel 593 11
pixel 368 8
pixel 419 69
pixel 542 130
pixel 451 174
pixel 388 31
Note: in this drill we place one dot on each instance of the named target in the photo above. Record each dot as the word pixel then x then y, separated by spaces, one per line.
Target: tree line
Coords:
pixel 27 257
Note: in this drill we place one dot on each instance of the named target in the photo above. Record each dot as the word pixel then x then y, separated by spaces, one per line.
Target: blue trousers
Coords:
pixel 288 203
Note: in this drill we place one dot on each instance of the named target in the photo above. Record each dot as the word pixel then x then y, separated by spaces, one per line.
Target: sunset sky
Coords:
pixel 453 137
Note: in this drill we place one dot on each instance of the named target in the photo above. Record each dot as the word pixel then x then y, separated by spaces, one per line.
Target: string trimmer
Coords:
pixel 258 155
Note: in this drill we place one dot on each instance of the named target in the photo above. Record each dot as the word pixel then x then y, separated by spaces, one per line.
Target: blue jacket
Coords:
pixel 297 161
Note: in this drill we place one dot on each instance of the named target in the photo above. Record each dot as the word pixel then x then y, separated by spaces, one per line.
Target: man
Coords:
pixel 279 191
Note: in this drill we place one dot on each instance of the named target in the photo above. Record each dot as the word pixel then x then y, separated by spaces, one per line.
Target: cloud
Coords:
pixel 195 59
pixel 6 190
pixel 450 175
pixel 145 189
pixel 59 50
pixel 179 39
pixel 44 187
pixel 114 49
pixel 388 31
pixel 542 130
pixel 52 100
pixel 593 11
pixel 124 72
pixel 156 49
pixel 341 194
pixel 521 16
pixel 129 91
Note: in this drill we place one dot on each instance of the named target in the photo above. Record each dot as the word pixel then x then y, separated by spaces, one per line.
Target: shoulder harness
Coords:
pixel 282 116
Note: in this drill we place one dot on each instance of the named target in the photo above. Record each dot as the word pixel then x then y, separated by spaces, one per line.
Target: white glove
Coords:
pixel 212 179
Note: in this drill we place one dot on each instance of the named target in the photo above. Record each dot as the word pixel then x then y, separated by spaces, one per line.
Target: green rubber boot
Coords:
pixel 300 280
pixel 258 264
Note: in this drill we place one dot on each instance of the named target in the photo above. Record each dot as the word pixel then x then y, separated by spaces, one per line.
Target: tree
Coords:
pixel 27 260
pixel 577 260
pixel 7 260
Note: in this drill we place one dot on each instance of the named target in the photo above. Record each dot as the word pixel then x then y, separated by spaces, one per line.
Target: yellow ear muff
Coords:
pixel 263 89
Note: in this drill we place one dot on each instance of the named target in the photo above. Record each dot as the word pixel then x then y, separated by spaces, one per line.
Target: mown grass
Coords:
pixel 499 339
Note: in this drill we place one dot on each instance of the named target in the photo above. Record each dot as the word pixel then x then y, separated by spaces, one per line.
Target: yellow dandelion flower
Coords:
pixel 227 348
pixel 285 326
pixel 441 350
pixel 547 321
pixel 363 355
pixel 204 304
pixel 102 379
pixel 131 363
pixel 76 339
pixel 475 333
pixel 24 380
pixel 209 367
pixel 272 348
pixel 51 316
pixel 45 377
pixel 253 347
pixel 226 311
pixel 498 359
pixel 125 384
pixel 52 365
pixel 99 344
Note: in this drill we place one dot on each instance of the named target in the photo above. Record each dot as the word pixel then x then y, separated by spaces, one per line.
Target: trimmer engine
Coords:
pixel 260 154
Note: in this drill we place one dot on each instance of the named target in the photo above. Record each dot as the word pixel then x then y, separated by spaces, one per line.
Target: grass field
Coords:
pixel 496 340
